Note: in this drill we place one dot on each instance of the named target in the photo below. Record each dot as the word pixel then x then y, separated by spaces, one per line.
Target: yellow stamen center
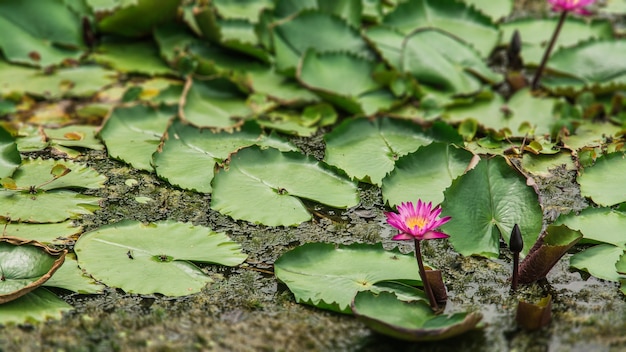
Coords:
pixel 418 221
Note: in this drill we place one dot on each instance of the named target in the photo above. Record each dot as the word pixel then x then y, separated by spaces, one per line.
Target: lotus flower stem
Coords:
pixel 427 288
pixel 535 82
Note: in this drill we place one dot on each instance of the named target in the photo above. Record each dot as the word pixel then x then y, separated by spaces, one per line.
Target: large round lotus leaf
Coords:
pixel 264 186
pixel 51 206
pixel 367 150
pixel 494 9
pixel 425 174
pixel 604 181
pixel 485 204
pixel 356 89
pixel 412 321
pixel 536 33
pixel 39 173
pixel 455 17
pixel 132 134
pixel 10 157
pixel 39 33
pixel 37 306
pixel 214 103
pixel 579 67
pixel 599 261
pixel 294 36
pixel 437 59
pixel 132 18
pixel 328 276
pixel 598 224
pixel 190 148
pixel 24 266
pixel 154 258
pixel 56 233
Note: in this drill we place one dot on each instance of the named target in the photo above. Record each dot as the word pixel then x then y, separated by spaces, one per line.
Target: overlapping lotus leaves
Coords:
pixel 214 103
pixel 246 9
pixel 599 261
pixel 39 192
pixel 485 203
pixel 24 266
pixel 39 33
pixel 540 165
pixel 367 150
pixel 591 134
pixel 265 186
pixel 412 321
pixel 132 18
pixel 190 148
pixel 160 254
pixel 37 306
pixel 577 68
pixel 328 276
pixel 10 158
pixel 604 181
pixel 457 18
pixel 79 81
pixel 131 57
pixel 356 91
pixel 285 90
pixel 535 34
pixel 598 225
pixel 437 59
pixel 425 174
pixel 293 37
pixel 348 10
pixel 45 233
pixel 133 133
pixel 494 9
pixel 521 114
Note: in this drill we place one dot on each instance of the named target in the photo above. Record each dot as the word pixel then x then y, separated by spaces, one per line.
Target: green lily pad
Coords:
pixel 576 72
pixel 216 103
pixel 189 148
pixel 10 158
pixel 131 57
pixel 367 150
pixel 498 198
pixel 265 186
pixel 603 181
pixel 440 60
pixel 356 92
pixel 71 277
pixel 411 321
pixel 79 81
pixel 285 90
pixel 55 233
pixel 495 10
pixel 132 134
pixel 425 174
pixel 293 37
pixel 159 253
pixel 39 33
pixel 248 10
pixel 455 17
pixel 37 306
pixel 328 276
pixel 599 261
pixel 536 32
pixel 24 266
pixel 598 225
pixel 132 18
pixel 39 173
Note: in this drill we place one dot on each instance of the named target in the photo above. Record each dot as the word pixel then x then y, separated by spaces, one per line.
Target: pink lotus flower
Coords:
pixel 417 223
pixel 576 6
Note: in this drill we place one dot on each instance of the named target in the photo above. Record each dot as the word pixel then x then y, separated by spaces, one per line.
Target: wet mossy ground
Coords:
pixel 247 309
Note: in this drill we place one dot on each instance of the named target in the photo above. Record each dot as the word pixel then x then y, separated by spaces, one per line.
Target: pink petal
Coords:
pixel 433 235
pixel 402 236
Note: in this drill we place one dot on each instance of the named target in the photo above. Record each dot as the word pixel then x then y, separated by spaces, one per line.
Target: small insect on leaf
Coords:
pixel 130 254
